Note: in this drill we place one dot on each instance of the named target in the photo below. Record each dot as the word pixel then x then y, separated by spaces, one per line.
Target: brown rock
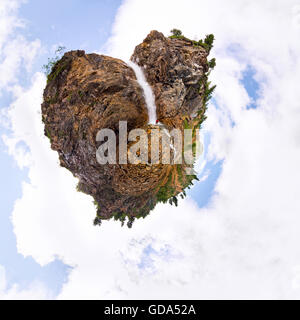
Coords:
pixel 88 92
pixel 174 68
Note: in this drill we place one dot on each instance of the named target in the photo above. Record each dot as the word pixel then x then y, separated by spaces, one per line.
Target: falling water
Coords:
pixel 149 96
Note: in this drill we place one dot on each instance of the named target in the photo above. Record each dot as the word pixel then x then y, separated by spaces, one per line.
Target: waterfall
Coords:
pixel 148 93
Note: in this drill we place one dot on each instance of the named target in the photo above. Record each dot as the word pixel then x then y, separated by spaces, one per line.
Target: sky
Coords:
pixel 235 236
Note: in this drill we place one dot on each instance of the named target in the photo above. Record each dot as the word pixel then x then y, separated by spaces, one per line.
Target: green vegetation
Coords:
pixel 78 187
pixel 96 204
pixel 205 88
pixel 179 173
pixel 122 216
pixel 186 124
pixel 212 63
pixel 51 69
pixel 130 222
pixel 166 191
pixel 190 179
pixel 207 43
pixel 146 209
pixel 97 221
pixel 166 194
pixel 47 133
pixel 57 70
pixel 52 61
pixel 208 91
pixel 209 40
pixel 176 32
pixel 173 200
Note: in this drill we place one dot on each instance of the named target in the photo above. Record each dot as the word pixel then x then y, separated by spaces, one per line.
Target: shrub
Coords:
pixel 209 40
pixel 212 63
pixel 52 61
pixel 176 32
pixel 97 221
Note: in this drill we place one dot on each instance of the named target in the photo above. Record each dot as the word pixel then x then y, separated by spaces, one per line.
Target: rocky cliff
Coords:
pixel 89 92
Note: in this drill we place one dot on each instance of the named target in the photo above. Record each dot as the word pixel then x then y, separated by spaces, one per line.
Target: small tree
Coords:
pixel 209 40
pixel 130 222
pixel 212 63
pixel 176 32
pixel 175 201
pixel 97 221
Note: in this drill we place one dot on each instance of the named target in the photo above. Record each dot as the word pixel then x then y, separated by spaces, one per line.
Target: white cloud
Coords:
pixel 15 51
pixel 16 54
pixel 35 291
pixel 9 19
pixel 245 244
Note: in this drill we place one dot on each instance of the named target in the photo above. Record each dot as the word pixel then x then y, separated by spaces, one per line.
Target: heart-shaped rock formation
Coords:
pixel 89 92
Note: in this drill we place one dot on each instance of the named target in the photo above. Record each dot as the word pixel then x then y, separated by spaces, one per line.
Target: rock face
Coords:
pixel 174 68
pixel 89 92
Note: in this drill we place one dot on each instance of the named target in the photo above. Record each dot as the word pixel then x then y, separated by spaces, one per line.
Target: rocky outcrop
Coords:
pixel 174 68
pixel 89 92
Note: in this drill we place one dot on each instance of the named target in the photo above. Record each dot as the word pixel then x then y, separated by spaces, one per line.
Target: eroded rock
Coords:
pixel 89 92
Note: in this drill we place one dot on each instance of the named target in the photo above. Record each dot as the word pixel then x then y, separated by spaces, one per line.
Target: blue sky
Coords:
pixel 251 85
pixel 249 212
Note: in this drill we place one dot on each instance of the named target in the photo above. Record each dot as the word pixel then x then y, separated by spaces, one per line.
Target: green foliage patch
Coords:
pixel 207 43
pixel 52 63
